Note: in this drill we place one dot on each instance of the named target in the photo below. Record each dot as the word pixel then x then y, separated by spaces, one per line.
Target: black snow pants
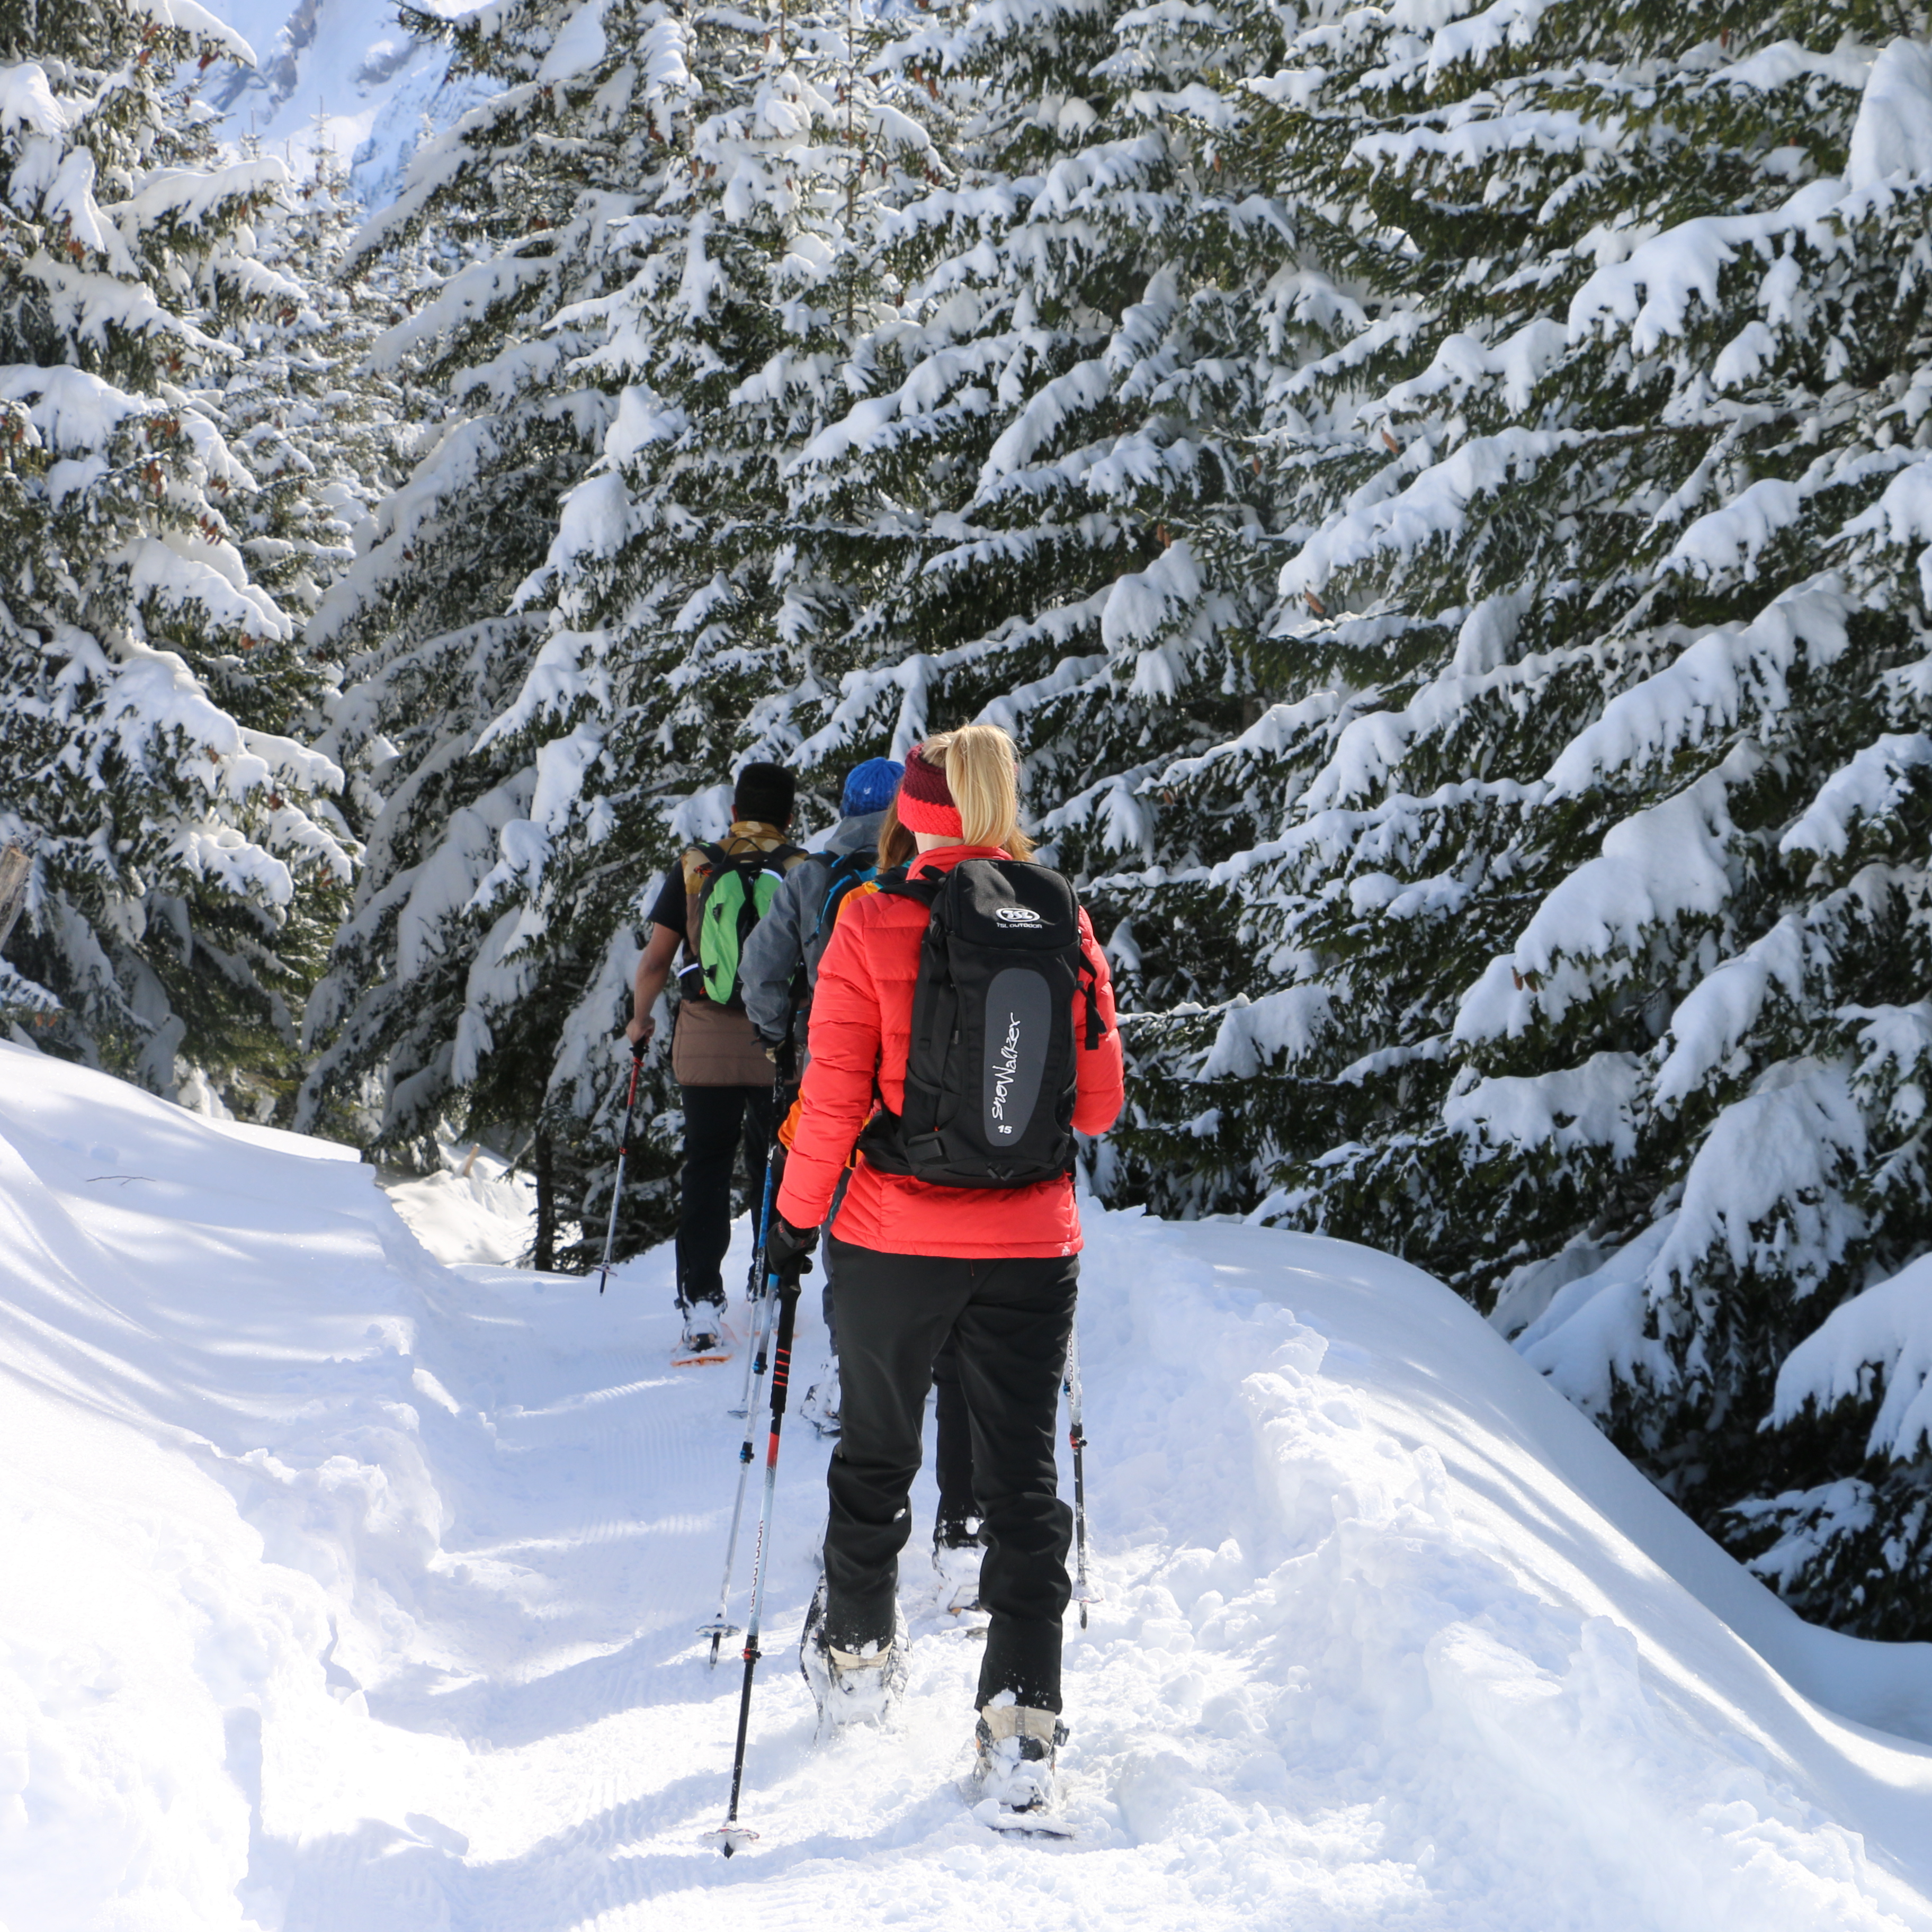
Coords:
pixel 952 1441
pixel 715 1118
pixel 1010 1320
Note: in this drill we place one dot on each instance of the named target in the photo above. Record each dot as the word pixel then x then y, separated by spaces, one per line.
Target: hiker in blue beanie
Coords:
pixel 794 933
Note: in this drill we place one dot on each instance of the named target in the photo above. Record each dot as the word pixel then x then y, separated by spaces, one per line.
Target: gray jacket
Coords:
pixel 788 933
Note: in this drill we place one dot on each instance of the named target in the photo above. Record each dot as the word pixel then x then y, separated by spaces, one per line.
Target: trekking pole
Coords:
pixel 623 1154
pixel 754 1290
pixel 718 1629
pixel 1083 1591
pixel 754 1282
pixel 732 1835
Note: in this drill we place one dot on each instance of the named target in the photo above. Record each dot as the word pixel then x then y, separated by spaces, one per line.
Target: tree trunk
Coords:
pixel 546 1247
pixel 14 867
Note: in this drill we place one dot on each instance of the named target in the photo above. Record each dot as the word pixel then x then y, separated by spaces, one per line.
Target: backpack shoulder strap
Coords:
pixel 838 865
pixel 843 871
pixel 1090 994
pixel 700 866
pixel 697 863
pixel 900 882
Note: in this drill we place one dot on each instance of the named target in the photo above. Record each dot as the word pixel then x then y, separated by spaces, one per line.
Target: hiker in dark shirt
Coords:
pixel 726 1076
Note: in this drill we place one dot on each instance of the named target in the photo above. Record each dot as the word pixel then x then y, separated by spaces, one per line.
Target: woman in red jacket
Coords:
pixel 995 1268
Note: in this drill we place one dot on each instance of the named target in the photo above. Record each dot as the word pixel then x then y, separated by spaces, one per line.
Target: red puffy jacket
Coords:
pixel 861 1029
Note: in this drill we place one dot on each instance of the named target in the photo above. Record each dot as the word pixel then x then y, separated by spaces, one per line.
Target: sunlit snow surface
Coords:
pixel 487 1214
pixel 350 1591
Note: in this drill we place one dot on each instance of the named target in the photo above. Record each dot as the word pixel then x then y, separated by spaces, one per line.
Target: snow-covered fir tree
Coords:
pixel 187 864
pixel 974 448
pixel 1048 492
pixel 499 249
pixel 1584 957
pixel 684 605
pixel 325 436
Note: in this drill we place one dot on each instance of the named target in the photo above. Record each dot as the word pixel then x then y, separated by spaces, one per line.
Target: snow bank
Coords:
pixel 362 1590
pixel 486 1213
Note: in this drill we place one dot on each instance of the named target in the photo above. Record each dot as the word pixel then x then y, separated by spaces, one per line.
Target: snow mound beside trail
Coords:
pixel 487 1213
pixel 347 1590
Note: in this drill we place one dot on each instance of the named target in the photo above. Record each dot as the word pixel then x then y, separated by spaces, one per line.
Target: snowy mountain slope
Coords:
pixel 349 1590
pixel 344 74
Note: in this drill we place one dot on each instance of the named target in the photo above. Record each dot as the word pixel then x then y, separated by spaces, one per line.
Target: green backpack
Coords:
pixel 737 892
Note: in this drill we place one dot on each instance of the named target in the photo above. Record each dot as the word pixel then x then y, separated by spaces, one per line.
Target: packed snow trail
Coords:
pixel 352 1592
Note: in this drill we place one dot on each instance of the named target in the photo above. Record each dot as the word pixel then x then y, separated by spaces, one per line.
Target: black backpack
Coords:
pixel 990 1074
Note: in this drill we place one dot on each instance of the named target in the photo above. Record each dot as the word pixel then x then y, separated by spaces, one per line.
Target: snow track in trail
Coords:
pixel 354 1593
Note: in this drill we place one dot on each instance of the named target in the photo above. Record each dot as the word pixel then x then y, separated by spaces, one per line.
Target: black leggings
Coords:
pixel 1010 1320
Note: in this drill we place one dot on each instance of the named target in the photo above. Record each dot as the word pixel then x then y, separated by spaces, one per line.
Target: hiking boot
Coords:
pixel 956 1551
pixel 703 1333
pixel 955 1532
pixel 1016 1746
pixel 851 1687
pixel 821 1406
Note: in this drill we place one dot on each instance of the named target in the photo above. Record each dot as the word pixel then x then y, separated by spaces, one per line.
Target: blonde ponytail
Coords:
pixel 982 769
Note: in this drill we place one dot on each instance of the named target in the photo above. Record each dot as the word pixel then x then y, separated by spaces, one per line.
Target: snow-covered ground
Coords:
pixel 348 1590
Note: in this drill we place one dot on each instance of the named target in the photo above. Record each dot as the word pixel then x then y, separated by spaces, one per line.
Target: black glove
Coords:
pixel 788 1250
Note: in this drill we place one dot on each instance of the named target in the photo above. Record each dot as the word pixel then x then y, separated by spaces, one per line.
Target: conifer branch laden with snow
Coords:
pixel 1605 805
pixel 508 236
pixel 187 859
pixel 682 597
pixel 1440 503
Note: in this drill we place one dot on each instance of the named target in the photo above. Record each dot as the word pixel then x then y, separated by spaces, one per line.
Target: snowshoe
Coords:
pixel 956 1551
pixel 821 1406
pixel 851 1687
pixel 1016 1747
pixel 705 1338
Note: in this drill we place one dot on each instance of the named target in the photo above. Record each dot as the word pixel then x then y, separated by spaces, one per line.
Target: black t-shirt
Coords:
pixel 672 907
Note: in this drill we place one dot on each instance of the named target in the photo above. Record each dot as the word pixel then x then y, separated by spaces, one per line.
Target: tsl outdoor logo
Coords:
pixel 1017 915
